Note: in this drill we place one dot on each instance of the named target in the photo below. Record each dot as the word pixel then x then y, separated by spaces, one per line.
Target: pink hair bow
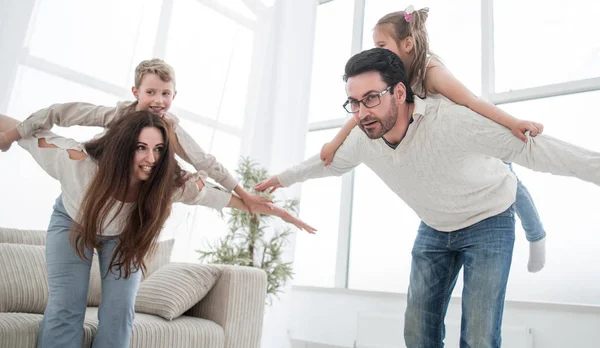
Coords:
pixel 408 13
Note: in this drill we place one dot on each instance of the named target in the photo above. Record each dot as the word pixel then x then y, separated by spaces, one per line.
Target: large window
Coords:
pixel 210 46
pixel 333 35
pixel 110 39
pixel 315 260
pixel 381 222
pixel 217 66
pixel 567 207
pixel 454 29
pixel 555 55
pixel 557 46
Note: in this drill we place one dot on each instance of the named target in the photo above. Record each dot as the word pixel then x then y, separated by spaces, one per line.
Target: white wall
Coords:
pixel 330 316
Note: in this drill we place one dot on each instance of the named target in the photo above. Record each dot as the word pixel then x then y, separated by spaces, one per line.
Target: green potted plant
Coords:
pixel 250 241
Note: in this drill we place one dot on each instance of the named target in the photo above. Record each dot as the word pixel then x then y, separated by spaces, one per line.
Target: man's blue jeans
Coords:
pixel 485 251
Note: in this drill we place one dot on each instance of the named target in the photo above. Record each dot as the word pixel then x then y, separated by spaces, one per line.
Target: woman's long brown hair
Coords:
pixel 114 154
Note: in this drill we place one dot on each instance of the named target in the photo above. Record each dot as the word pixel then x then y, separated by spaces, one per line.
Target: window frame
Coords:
pixel 160 50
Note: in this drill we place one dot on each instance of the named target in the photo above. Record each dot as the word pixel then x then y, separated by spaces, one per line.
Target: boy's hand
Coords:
pixel 327 153
pixel 521 126
pixel 271 183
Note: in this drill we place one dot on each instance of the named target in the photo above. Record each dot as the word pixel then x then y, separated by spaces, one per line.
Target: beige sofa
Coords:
pixel 179 305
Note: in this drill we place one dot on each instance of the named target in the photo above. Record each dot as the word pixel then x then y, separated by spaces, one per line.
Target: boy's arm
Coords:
pixel 202 161
pixel 191 152
pixel 441 81
pixel 328 151
pixel 196 192
pixel 543 153
pixel 65 115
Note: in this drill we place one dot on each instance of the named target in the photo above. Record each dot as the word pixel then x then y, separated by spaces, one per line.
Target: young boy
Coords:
pixel 154 91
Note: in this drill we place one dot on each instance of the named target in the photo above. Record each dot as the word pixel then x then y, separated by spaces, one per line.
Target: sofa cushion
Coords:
pixel 175 288
pixel 21 330
pixel 161 257
pixel 38 237
pixel 23 278
pixel 17 236
pixel 156 332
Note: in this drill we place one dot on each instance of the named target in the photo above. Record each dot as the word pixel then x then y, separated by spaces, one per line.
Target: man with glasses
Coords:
pixel 446 162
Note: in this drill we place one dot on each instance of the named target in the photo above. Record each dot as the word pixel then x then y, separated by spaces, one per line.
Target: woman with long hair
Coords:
pixel 117 193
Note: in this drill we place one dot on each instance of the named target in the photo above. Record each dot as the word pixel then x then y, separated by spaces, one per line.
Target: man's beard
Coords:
pixel 385 124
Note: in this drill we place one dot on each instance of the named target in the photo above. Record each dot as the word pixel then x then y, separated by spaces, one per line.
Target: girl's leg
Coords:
pixel 532 224
pixel 68 278
pixel 7 123
pixel 117 309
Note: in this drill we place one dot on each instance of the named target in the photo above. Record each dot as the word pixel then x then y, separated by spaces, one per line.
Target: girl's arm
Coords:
pixel 439 80
pixel 329 149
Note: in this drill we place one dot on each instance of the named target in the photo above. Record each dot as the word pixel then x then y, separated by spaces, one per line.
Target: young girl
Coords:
pixel 117 192
pixel 405 33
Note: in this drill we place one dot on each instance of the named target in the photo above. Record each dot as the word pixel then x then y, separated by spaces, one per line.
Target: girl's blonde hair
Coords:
pixel 399 28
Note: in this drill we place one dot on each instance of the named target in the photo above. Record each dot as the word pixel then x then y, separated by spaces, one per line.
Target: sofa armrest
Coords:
pixel 236 302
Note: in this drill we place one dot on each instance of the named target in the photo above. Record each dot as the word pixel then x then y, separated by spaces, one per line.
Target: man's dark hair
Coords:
pixel 384 61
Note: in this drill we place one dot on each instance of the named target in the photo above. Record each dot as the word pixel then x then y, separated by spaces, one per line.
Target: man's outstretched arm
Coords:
pixel 542 153
pixel 346 158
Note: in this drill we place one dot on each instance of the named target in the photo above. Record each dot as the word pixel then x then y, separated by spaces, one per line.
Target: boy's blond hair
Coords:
pixel 157 67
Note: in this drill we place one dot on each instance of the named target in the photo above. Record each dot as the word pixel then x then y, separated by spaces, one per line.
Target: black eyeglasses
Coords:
pixel 372 100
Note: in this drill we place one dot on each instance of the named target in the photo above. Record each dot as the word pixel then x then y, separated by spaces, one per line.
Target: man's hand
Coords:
pixel 272 183
pixel 251 200
pixel 521 126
